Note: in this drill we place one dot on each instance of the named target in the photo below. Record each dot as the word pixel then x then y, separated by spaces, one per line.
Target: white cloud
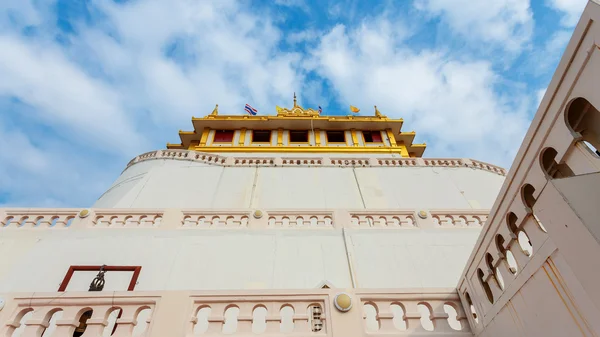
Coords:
pixel 508 22
pixel 452 104
pixel 570 9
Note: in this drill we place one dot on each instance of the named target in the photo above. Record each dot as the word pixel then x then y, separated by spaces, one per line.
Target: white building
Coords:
pixel 301 224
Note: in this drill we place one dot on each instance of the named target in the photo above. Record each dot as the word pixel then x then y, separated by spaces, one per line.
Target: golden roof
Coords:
pixel 296 118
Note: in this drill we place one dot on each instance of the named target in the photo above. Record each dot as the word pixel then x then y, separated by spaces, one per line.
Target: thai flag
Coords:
pixel 250 110
pixel 320 110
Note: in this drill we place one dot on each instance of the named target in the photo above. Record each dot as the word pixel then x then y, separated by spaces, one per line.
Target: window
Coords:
pixel 299 136
pixel 223 136
pixel 372 136
pixel 79 277
pixel 336 137
pixel 261 136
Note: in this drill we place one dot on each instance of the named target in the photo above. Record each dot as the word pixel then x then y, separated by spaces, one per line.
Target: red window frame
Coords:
pixel 135 269
pixel 375 136
pixel 223 136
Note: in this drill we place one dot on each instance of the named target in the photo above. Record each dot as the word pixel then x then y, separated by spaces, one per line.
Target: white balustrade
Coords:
pixel 459 219
pixel 382 220
pixel 414 314
pixel 126 218
pixel 205 219
pixel 292 219
pixel 257 315
pixel 61 314
pixel 37 218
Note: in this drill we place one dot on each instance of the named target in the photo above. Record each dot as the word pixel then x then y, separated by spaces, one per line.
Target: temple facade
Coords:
pixel 302 224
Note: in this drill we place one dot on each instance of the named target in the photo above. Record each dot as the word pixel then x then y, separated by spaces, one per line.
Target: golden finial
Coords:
pixel 295 105
pixel 216 110
pixel 377 113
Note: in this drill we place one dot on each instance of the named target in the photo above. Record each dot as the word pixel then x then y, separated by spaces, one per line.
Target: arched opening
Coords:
pixel 551 168
pixel 582 117
pixel 471 307
pixel 525 243
pixel 527 195
pixel 489 261
pixel 511 221
pixel 500 243
pixel 485 286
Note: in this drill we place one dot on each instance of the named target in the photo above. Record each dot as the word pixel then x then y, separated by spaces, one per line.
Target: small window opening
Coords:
pixel 336 137
pixel 261 136
pixel 372 136
pixel 315 318
pixel 299 136
pixel 223 136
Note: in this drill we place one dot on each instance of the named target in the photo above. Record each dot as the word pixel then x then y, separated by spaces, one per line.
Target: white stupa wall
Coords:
pixel 169 183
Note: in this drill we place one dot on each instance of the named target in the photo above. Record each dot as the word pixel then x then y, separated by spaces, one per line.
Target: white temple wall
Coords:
pixel 222 259
pixel 184 184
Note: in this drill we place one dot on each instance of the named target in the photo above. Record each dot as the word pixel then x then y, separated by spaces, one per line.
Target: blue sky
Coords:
pixel 87 85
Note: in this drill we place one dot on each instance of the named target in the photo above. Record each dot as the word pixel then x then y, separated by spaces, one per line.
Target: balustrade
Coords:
pixel 126 218
pixel 100 314
pixel 459 219
pixel 414 314
pixel 271 315
pixel 201 219
pixel 295 219
pixel 37 218
pixel 382 220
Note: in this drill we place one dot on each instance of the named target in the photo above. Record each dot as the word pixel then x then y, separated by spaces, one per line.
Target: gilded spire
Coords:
pixel 377 113
pixel 216 110
pixel 295 105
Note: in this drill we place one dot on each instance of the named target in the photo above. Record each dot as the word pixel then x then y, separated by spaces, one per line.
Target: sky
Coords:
pixel 86 85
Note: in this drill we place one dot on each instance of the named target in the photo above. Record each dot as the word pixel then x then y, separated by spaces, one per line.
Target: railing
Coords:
pixel 26 218
pixel 105 313
pixel 412 314
pixel 212 159
pixel 306 312
pixel 254 315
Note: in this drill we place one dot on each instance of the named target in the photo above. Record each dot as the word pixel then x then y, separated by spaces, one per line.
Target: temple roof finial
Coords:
pixel 295 105
pixel 377 113
pixel 216 110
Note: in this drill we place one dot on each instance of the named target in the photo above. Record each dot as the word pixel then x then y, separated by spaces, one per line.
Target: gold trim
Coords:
pixel 354 138
pixel 391 137
pixel 305 149
pixel 279 137
pixel 317 133
pixel 403 149
pixel 204 137
pixel 243 137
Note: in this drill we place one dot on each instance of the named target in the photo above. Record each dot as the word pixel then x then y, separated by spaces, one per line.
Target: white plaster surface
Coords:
pixel 205 259
pixel 166 183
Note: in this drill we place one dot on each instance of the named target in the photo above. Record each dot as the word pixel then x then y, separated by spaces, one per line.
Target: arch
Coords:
pixel 471 307
pixel 527 197
pixel 500 243
pixel 511 221
pixel 425 310
pixel 525 243
pixel 201 325
pixel 370 316
pixel 287 318
pixel 582 117
pixel 259 318
pixel 452 311
pixel 489 260
pixel 485 286
pixel 399 312
pixel 551 168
